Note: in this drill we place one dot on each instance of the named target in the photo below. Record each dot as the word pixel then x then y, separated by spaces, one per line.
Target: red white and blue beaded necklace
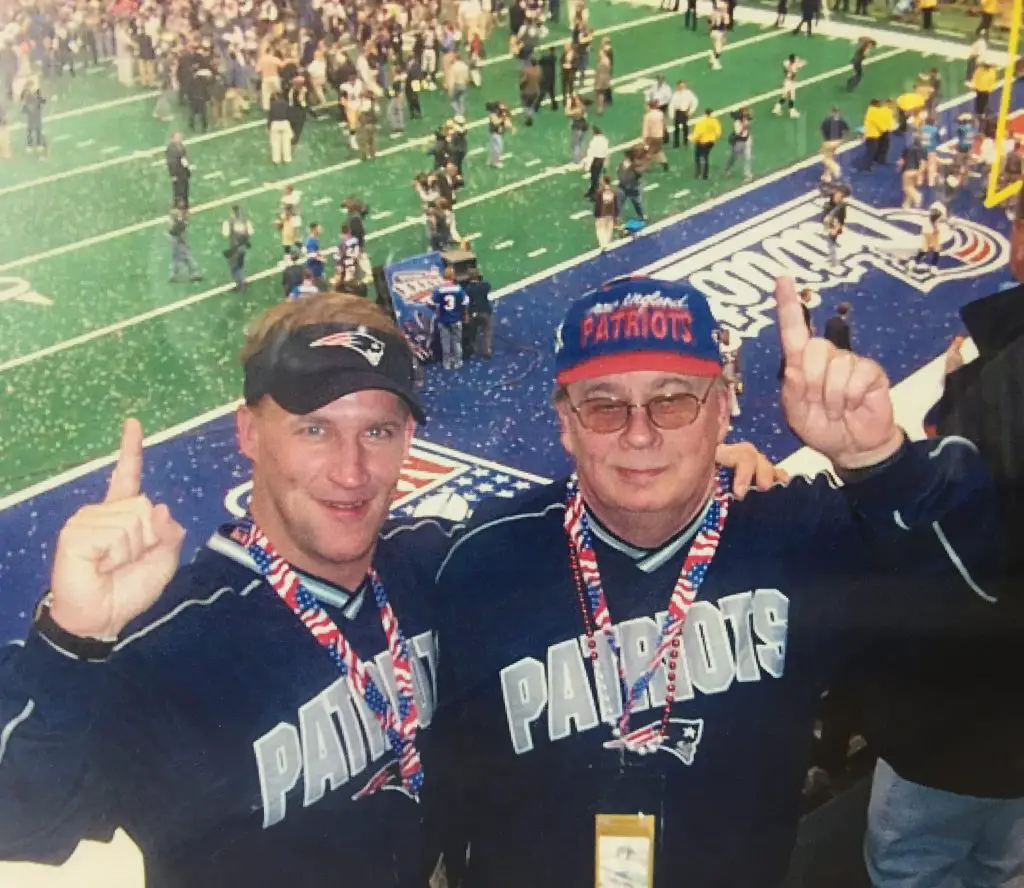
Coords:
pixel 399 726
pixel 596 617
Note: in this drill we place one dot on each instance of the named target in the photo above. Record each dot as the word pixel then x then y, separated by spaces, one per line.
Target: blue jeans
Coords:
pixel 919 837
pixel 451 345
pixel 458 98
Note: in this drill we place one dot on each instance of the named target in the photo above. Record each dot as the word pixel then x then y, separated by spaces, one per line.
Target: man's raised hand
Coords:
pixel 835 401
pixel 113 559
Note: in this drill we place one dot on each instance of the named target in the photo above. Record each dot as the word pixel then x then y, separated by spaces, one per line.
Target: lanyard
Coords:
pixel 594 604
pixel 399 726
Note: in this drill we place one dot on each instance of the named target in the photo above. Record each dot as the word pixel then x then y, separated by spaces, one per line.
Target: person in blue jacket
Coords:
pixel 633 660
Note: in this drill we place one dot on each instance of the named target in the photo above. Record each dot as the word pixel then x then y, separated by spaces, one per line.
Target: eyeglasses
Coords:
pixel 667 412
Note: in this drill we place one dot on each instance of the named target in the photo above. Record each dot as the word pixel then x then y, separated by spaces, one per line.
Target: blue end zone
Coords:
pixel 491 428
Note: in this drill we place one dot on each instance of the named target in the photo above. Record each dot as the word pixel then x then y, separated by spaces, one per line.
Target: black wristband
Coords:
pixel 94 650
pixel 852 476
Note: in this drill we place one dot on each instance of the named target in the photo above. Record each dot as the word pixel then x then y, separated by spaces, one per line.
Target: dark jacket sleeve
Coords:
pixel 50 795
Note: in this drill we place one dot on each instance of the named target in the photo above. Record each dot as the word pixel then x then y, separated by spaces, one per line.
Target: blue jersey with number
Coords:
pixel 529 755
pixel 450 303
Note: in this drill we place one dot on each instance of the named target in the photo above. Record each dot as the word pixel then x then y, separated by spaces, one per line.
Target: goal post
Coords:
pixel 994 195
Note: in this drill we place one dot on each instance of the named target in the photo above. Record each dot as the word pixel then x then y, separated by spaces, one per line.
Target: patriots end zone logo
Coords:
pixel 681 739
pixel 360 341
pixel 736 268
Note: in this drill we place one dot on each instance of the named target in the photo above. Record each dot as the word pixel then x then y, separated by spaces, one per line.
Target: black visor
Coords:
pixel 305 369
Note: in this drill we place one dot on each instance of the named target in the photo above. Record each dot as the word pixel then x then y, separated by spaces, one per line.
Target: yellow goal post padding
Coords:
pixel 994 195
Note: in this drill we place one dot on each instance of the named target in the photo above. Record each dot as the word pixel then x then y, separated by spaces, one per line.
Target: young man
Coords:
pixel 235 725
pixel 634 660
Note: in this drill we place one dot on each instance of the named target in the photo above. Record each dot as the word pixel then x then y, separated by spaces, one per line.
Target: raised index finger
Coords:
pixel 792 326
pixel 126 479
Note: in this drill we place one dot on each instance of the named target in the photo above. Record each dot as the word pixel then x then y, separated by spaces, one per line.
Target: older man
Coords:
pixel 633 658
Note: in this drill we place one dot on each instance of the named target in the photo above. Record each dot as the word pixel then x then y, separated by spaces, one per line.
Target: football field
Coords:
pixel 92 330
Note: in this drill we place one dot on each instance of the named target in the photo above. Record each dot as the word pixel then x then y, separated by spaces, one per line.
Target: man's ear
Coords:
pixel 248 435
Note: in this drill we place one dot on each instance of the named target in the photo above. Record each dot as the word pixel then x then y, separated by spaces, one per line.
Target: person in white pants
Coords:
pixel 280 130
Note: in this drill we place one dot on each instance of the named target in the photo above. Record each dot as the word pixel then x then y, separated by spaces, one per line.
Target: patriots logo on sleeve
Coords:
pixel 366 344
pixel 681 739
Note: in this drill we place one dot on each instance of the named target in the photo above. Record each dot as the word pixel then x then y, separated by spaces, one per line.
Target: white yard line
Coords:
pixel 110 149
pixel 532 163
pixel 320 201
pixel 91 109
pixel 533 254
pixel 234 183
pixel 216 174
pixel 682 193
pixel 582 214
pixel 504 245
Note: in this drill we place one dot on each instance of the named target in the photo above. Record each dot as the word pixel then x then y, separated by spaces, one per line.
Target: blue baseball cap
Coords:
pixel 637 323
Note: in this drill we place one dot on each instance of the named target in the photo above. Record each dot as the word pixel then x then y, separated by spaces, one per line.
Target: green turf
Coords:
pixel 63 408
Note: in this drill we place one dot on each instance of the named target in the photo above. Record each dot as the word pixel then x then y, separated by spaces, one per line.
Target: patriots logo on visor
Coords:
pixel 681 739
pixel 366 344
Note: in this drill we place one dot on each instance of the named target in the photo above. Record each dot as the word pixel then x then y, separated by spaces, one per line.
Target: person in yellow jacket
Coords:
pixel 875 122
pixel 927 9
pixel 989 8
pixel 983 83
pixel 907 106
pixel 706 132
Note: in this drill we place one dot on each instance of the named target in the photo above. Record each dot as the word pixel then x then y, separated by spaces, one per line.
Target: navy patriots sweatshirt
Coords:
pixel 802 571
pixel 221 736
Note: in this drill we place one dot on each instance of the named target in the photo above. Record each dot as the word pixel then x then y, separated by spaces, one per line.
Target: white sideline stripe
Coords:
pixel 159 311
pixel 89 109
pixel 314 174
pixel 252 124
pixel 69 475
